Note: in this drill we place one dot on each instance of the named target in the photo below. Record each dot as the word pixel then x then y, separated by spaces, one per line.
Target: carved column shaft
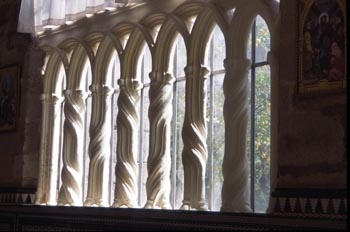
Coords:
pixel 72 173
pixel 194 135
pixel 235 189
pixel 99 147
pixel 49 149
pixel 159 161
pixel 128 121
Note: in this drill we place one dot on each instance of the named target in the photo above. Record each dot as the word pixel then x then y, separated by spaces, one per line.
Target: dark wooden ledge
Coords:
pixel 49 218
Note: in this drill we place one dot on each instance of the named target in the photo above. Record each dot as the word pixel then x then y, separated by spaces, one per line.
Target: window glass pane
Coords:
pixel 249 127
pixel 262 40
pixel 114 112
pixel 180 101
pixel 144 126
pixel 209 122
pixel 249 48
pixel 60 164
pixel 262 137
pixel 181 57
pixel 145 145
pixel 88 80
pixel 219 49
pixel 114 140
pixel 147 65
pixel 218 139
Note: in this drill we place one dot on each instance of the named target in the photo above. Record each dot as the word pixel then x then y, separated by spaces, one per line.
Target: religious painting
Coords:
pixel 322 46
pixel 8 98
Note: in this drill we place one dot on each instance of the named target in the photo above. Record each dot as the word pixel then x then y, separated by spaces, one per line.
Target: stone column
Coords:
pixel 194 135
pixel 159 160
pixel 235 189
pixel 128 121
pixel 99 147
pixel 72 171
pixel 49 149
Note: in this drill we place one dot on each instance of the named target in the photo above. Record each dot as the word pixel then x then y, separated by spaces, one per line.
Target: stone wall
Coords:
pixel 311 163
pixel 20 147
pixel 312 130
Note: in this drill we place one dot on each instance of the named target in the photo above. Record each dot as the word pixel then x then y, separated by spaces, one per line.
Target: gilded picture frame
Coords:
pixel 9 97
pixel 321 46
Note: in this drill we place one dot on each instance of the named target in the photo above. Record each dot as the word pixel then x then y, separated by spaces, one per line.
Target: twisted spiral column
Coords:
pixel 159 161
pixel 49 149
pixel 128 122
pixel 72 173
pixel 194 135
pixel 99 152
pixel 235 189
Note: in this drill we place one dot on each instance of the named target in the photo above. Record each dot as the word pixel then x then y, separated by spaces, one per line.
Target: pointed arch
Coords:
pixel 240 26
pixel 103 57
pixel 172 27
pixel 57 61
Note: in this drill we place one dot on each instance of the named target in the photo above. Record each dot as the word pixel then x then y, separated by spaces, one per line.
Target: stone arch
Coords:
pixel 52 81
pixel 165 41
pixel 105 52
pixel 235 191
pixel 240 25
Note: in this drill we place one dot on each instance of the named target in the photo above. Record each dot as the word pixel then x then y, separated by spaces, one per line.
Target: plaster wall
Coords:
pixel 19 148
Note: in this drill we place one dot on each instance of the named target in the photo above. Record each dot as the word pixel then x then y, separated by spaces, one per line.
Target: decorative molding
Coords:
pixel 325 203
pixel 17 196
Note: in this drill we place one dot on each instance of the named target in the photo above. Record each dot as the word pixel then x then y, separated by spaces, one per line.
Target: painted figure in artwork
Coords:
pixel 323 43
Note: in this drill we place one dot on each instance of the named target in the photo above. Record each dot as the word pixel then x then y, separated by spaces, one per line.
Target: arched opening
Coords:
pixel 113 75
pixel 179 61
pixel 259 123
pixel 216 51
pixel 144 69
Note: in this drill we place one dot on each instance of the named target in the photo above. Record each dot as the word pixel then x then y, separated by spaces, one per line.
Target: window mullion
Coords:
pixel 252 120
pixel 86 131
pixel 174 139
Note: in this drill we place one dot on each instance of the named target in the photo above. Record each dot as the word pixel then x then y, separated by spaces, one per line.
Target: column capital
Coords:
pixel 199 69
pixel 75 92
pixel 101 89
pixel 163 77
pixel 130 84
pixel 51 97
pixel 243 63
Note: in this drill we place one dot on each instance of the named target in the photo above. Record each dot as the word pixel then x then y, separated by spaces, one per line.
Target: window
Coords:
pixel 177 173
pixel 259 126
pixel 142 109
pixel 215 119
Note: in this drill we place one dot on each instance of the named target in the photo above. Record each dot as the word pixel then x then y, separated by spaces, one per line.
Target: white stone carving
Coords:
pixel 99 147
pixel 235 189
pixel 194 135
pixel 72 174
pixel 159 161
pixel 128 122
pixel 49 149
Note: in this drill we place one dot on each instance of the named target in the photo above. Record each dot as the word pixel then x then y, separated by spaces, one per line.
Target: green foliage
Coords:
pixel 262 137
